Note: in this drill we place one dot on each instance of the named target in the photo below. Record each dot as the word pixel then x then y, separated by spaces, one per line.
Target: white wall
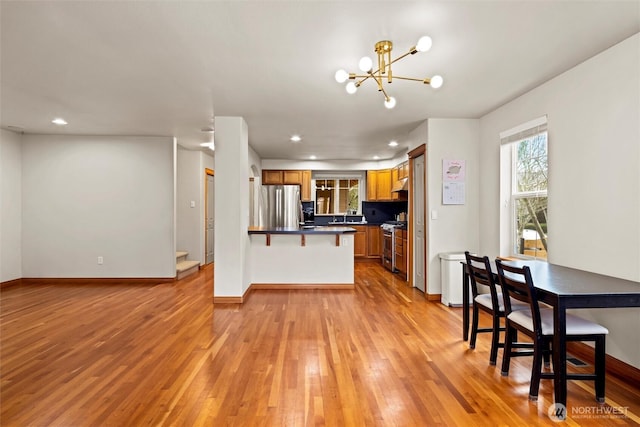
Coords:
pixel 10 206
pixel 90 196
pixel 594 162
pixel 286 261
pixel 594 175
pixel 190 184
pixel 232 258
pixel 419 136
pixel 456 228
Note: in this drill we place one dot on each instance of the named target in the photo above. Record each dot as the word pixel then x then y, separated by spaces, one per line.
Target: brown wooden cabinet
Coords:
pixel 374 241
pixel 395 175
pixel 360 241
pixel 305 186
pixel 400 252
pixel 290 177
pixel 384 184
pixel 272 177
pixel 379 185
pixel 372 183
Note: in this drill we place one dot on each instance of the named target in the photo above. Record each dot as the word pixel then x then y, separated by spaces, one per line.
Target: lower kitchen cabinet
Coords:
pixel 367 242
pixel 360 241
pixel 374 241
pixel 400 253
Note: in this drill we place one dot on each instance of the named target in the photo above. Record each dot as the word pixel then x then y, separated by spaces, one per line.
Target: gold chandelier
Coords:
pixel 383 50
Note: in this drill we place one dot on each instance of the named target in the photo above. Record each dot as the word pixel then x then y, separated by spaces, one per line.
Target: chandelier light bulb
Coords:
pixel 365 64
pixel 436 82
pixel 424 44
pixel 390 102
pixel 351 88
pixel 342 76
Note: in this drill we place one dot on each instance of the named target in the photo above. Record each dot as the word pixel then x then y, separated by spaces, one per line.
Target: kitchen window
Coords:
pixel 338 194
pixel 524 179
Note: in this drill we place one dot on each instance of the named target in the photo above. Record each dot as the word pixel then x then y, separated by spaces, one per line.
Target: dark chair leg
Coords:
pixel 495 339
pixel 536 371
pixel 509 338
pixel 600 358
pixel 474 326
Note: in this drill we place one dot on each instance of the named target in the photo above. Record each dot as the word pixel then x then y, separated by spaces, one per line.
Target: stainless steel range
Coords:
pixel 389 229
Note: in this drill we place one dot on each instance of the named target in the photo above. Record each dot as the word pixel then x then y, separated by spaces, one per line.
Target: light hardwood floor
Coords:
pixel 86 354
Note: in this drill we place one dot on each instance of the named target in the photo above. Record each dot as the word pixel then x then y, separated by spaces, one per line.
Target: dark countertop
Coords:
pixel 307 231
pixel 350 224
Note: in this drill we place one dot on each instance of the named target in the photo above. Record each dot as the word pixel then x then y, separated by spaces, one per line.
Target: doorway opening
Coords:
pixel 209 213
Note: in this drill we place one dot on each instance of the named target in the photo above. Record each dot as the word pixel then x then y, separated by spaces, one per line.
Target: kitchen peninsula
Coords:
pixel 315 257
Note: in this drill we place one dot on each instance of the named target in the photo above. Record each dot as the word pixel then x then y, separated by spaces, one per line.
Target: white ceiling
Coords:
pixel 165 68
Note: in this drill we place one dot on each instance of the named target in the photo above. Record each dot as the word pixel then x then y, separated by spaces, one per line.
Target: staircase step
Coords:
pixel 180 254
pixel 186 268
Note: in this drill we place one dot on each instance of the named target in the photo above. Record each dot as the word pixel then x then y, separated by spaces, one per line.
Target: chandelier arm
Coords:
pixel 362 77
pixel 412 79
pixel 379 81
pixel 399 58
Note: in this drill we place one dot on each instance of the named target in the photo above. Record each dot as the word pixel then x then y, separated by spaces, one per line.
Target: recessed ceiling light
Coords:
pixel 393 144
pixel 210 145
pixel 59 121
pixel 312 157
pixel 295 138
pixel 376 157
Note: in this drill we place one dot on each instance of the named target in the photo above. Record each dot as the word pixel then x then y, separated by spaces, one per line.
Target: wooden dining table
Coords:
pixel 565 288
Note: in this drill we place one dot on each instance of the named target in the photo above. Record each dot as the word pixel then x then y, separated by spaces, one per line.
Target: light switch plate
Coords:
pixel 434 214
pixel 193 204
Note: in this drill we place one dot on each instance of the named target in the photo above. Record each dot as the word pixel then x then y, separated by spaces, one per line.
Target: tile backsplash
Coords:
pixel 374 212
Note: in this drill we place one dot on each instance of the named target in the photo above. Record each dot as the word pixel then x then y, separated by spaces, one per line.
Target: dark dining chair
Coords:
pixel 537 323
pixel 479 270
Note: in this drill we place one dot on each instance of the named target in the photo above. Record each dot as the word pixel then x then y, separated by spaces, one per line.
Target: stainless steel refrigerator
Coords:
pixel 280 206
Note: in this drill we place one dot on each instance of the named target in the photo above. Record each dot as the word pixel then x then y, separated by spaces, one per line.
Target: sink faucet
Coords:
pixel 345 217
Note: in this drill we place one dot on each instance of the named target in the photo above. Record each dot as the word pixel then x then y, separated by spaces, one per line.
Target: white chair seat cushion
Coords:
pixel 575 325
pixel 485 299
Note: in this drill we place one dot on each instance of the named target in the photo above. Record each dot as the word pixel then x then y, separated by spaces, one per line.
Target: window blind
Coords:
pixel 523 131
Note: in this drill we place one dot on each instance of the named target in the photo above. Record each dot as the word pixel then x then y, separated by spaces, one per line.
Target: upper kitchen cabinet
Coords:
pixel 404 170
pixel 272 177
pixel 305 187
pixel 372 182
pixel 379 185
pixel 290 177
pixel 399 177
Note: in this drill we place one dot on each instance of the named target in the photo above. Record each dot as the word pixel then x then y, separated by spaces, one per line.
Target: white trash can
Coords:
pixel 451 278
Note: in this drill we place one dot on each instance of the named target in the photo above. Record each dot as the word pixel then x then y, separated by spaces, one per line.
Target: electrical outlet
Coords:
pixel 100 260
